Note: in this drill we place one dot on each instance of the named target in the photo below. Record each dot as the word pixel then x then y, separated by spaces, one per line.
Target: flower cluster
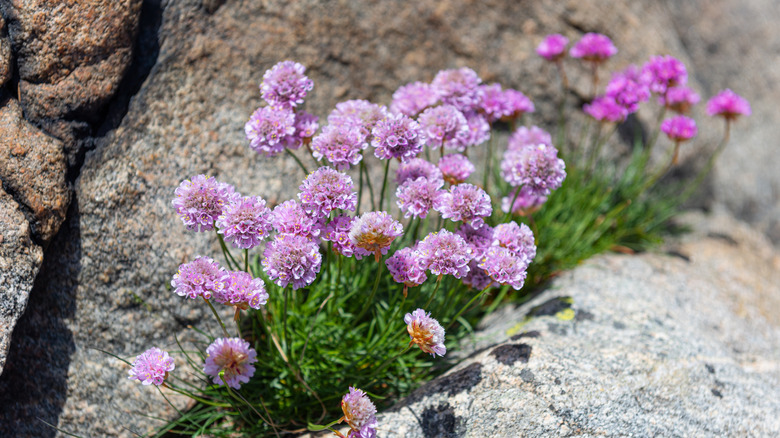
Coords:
pixel 199 201
pixel 535 166
pixel 359 413
pixel 152 367
pixel 229 362
pixel 426 332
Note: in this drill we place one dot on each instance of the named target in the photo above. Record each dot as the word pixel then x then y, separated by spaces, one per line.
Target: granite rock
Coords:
pixel 6 58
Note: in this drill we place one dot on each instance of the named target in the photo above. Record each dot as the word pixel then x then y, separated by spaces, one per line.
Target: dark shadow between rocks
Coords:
pixel 34 383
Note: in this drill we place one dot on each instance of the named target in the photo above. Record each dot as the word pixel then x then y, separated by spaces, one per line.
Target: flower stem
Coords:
pixel 384 185
pixel 368 181
pixel 297 160
pixel 373 293
pixel 214 311
pixel 435 289
pixel 467 306
pixel 226 252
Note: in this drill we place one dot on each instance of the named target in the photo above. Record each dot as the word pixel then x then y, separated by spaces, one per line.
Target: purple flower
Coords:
pixel 529 137
pixel 503 104
pixel 537 166
pixel 426 332
pixel 239 289
pixel 268 129
pixel 517 104
pixel 325 190
pixel 289 217
pixel 628 89
pixel 337 232
pixel 405 267
pixel 477 278
pixel 199 201
pixel 285 85
pixel 417 197
pixel 679 128
pixel 479 129
pixel 455 168
pixel 444 253
pixel 444 126
pixel 197 278
pixel 467 203
pixel 292 259
pixel 517 238
pixel 679 99
pixel 305 126
pixel 605 109
pixel 359 413
pixel 151 367
pixel 235 357
pixel 552 47
pixel 663 72
pixel 526 202
pixel 397 136
pixel 479 239
pixel 373 232
pixel 415 168
pixel 458 87
pixel 245 222
pixel 342 145
pixel 593 47
pixel 728 105
pixel 411 99
pixel 504 267
pixel 361 114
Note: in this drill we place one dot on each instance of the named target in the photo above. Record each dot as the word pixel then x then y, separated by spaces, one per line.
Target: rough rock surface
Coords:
pixel 71 57
pixel 32 167
pixel 6 58
pixel 20 259
pixel 651 345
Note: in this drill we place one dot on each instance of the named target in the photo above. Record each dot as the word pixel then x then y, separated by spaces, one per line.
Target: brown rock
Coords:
pixel 32 167
pixel 5 54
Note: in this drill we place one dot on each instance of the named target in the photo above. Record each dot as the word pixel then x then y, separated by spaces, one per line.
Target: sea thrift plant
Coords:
pixel 292 260
pixel 593 47
pixel 397 136
pixel 268 128
pixel 728 105
pixel 465 202
pixel 444 253
pixel 552 47
pixel 359 413
pixel 229 362
pixel 325 190
pixel 199 201
pixel 373 232
pixel 426 332
pixel 245 222
pixel 285 85
pixel 456 168
pixel 197 278
pixel 152 367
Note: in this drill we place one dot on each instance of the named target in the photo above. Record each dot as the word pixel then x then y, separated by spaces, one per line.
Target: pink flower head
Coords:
pixel 467 203
pixel 373 232
pixel 536 166
pixel 292 259
pixel 529 136
pixel 444 253
pixel 552 47
pixel 503 104
pixel 411 99
pixel 605 109
pixel 325 190
pixel 239 289
pixel 728 105
pixel 245 222
pixel 458 87
pixel 444 126
pixel 285 85
pixel 337 232
pixel 289 217
pixel 526 202
pixel 593 47
pixel 417 197
pixel 477 278
pixel 359 413
pixel 397 136
pixel 679 99
pixel 341 145
pixel 628 89
pixel 679 128
pixel 234 357
pixel 426 332
pixel 415 168
pixel 479 239
pixel 405 267
pixel 663 72
pixel 360 114
pixel 197 278
pixel 456 168
pixel 199 201
pixel 504 266
pixel 151 367
pixel 517 238
pixel 305 126
pixel 269 128
pixel 479 129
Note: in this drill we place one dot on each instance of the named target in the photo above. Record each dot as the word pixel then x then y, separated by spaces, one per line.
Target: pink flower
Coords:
pixel 728 105
pixel 235 357
pixel 593 47
pixel 151 367
pixel 426 332
pixel 552 47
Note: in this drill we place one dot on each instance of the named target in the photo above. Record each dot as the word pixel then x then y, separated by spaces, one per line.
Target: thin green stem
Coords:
pixel 435 289
pixel 512 205
pixel 384 185
pixel 373 293
pixel 368 181
pixel 246 260
pixel 482 292
pixel 214 311
pixel 284 318
pixel 388 362
pixel 691 189
pixel 657 131
pixel 226 252
pixel 297 160
pixel 360 188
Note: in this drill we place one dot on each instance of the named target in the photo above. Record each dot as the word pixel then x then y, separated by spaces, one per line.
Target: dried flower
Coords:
pixel 233 357
pixel 415 168
pixel 728 105
pixel 373 232
pixel 504 266
pixel 397 136
pixel 537 166
pixel 197 278
pixel 245 222
pixel 455 168
pixel 663 72
pixel 292 259
pixel 359 413
pixel 458 87
pixel 152 367
pixel 426 332
pixel 444 253
pixel 517 238
pixel 411 99
pixel 325 190
pixel 465 202
pixel 605 109
pixel 529 136
pixel 593 47
pixel 239 289
pixel 289 217
pixel 199 201
pixel 444 126
pixel 417 197
pixel 341 145
pixel 285 85
pixel 268 129
pixel 679 128
pixel 552 47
